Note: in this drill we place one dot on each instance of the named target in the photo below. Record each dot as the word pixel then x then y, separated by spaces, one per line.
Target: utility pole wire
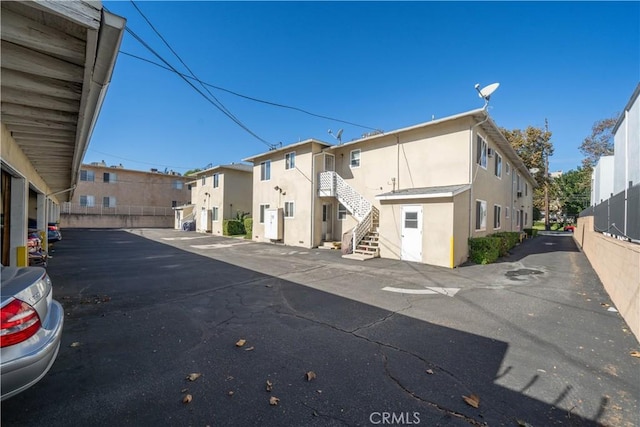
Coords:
pixel 274 104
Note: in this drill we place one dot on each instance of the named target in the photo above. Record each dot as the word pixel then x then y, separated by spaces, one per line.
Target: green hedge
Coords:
pixel 531 232
pixel 248 226
pixel 508 239
pixel 484 250
pixel 232 227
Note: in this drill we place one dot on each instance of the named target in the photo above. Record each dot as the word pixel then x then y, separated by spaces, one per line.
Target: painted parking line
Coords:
pixel 185 238
pixel 218 245
pixel 450 292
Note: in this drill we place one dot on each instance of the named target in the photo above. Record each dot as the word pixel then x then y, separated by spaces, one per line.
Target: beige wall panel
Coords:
pixel 390 230
pixel 617 264
pixel 115 221
pixel 437 232
pixel 461 215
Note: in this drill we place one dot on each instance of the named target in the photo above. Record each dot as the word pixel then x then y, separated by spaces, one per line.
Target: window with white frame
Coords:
pixel 203 181
pixel 288 209
pixel 354 159
pixel 526 219
pixel 216 180
pixel 87 201
pixel 497 212
pixel 516 212
pixel 342 212
pixel 109 177
pixel 481 151
pixel 507 168
pixel 265 170
pixel 263 209
pixel 177 184
pixel 290 160
pixel 108 202
pixel 86 175
pixel 481 215
pixel 498 168
pixel 215 211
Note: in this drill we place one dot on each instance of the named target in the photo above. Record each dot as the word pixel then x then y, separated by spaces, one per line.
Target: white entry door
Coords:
pixel 411 233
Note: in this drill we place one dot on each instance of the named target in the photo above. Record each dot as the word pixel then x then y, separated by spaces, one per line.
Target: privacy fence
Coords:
pixel 618 215
pixel 129 210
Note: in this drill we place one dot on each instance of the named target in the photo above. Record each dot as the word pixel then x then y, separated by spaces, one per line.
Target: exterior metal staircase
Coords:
pixel 365 234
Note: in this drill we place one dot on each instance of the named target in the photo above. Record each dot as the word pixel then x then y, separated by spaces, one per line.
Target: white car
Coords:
pixel 30 329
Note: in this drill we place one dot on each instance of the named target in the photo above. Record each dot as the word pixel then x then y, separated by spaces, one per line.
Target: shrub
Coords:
pixel 232 227
pixel 484 250
pixel 531 232
pixel 248 226
pixel 509 240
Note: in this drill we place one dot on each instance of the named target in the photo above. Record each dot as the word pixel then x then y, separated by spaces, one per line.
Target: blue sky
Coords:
pixel 382 65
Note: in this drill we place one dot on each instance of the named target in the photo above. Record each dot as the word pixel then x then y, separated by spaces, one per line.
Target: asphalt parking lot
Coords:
pixel 530 340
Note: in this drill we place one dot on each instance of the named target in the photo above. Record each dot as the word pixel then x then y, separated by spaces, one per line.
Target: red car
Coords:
pixel 570 228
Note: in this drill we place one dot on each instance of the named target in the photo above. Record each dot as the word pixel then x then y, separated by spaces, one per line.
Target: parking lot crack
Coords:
pixel 431 404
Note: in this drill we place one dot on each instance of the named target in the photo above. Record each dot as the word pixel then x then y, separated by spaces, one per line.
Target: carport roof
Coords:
pixel 57 62
pixel 425 192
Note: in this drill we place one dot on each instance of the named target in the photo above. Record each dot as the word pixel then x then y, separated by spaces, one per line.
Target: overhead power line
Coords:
pixel 215 103
pixel 274 104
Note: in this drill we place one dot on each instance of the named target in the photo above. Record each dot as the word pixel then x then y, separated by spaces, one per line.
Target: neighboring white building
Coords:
pixel 627 145
pixel 602 180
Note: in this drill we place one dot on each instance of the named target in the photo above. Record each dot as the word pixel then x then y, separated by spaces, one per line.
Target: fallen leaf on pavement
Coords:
pixel 523 423
pixel 311 376
pixel 635 353
pixel 604 304
pixel 75 344
pixel 187 399
pixel 184 390
pixel 249 349
pixel 430 371
pixel 230 393
pixel 240 343
pixel 472 400
pixel 194 376
pixel 273 401
pixel 269 385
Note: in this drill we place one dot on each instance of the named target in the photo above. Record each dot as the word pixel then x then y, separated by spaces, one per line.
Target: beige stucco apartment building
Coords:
pixel 112 196
pixel 217 193
pixel 415 194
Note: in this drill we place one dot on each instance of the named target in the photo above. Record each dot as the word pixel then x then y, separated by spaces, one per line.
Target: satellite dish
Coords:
pixel 486 91
pixel 339 135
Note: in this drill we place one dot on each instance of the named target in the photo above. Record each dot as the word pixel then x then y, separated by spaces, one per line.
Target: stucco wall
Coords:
pixel 617 264
pixel 114 221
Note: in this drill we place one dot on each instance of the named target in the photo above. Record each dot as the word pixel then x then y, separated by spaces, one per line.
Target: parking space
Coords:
pixel 530 337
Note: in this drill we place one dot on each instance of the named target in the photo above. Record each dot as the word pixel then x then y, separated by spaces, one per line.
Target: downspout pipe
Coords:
pixel 471 175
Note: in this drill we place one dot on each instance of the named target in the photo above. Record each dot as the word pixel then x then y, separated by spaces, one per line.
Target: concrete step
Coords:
pixel 330 245
pixel 357 256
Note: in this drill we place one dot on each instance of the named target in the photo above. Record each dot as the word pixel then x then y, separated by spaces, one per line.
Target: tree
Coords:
pixel 192 171
pixel 533 145
pixel 599 143
pixel 573 194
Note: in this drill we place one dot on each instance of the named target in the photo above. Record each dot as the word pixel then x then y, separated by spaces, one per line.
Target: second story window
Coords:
pixel 216 180
pixel 86 175
pixel 481 151
pixel 354 159
pixel 204 180
pixel 177 185
pixel 87 201
pixel 109 202
pixel 290 160
pixel 109 177
pixel 265 171
pixel 498 170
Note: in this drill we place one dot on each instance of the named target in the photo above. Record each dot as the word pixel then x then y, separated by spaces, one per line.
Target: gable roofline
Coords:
pixel 287 148
pixel 627 107
pixel 480 115
pixel 231 166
